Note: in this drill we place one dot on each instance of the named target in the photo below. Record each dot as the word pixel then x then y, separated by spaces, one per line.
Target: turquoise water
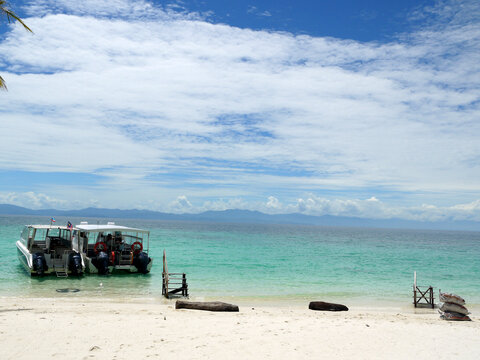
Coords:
pixel 271 262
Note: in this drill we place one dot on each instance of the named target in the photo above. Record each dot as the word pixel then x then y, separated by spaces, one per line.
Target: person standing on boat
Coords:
pixel 109 240
pixel 119 244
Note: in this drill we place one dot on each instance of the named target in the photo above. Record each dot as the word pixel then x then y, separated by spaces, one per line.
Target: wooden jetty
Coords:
pixel 422 293
pixel 173 283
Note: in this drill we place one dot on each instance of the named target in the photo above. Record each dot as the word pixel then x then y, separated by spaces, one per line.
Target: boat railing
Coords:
pixel 135 238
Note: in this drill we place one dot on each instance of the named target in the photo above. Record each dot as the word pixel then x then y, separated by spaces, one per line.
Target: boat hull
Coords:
pixel 49 249
pixel 92 269
pixel 25 258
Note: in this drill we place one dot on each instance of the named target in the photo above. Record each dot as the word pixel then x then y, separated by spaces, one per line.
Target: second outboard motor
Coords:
pixel 101 263
pixel 39 263
pixel 140 261
pixel 75 263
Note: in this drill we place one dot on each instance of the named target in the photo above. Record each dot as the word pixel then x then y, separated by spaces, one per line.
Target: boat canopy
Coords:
pixel 108 227
pixel 62 227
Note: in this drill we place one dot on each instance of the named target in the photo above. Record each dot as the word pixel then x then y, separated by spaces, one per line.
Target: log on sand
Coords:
pixel 209 306
pixel 325 306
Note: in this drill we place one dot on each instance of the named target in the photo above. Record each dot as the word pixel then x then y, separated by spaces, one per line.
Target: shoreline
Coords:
pixel 85 328
pixel 404 305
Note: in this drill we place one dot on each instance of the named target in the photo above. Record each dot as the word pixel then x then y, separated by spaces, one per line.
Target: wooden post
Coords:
pixel 165 275
pixel 415 288
pixel 431 297
pixel 184 285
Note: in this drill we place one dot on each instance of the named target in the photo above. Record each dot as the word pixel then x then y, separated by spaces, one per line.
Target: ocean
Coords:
pixel 276 263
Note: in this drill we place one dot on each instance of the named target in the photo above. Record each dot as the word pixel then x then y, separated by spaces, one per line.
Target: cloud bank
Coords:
pixel 160 103
pixel 371 208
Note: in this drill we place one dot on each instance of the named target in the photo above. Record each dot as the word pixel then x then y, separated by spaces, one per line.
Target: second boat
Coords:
pixel 112 248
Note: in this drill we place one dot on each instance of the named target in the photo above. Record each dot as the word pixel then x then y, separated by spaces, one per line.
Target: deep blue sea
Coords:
pixel 270 262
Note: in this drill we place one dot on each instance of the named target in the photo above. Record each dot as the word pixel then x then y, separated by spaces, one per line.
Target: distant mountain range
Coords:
pixel 245 216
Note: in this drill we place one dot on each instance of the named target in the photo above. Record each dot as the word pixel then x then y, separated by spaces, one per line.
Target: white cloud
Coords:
pixel 254 10
pixel 226 204
pixel 180 205
pixel 273 203
pixel 371 208
pixel 33 200
pixel 138 94
pixel 125 9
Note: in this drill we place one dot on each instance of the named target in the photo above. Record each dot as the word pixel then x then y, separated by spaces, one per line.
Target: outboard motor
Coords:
pixel 39 263
pixel 101 263
pixel 140 261
pixel 75 263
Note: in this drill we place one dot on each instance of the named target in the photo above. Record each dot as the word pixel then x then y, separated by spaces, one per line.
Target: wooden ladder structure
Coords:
pixel 422 293
pixel 59 265
pixel 173 283
pixel 60 269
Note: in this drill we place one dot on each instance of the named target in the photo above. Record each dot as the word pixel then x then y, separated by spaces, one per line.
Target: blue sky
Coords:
pixel 352 108
pixel 346 19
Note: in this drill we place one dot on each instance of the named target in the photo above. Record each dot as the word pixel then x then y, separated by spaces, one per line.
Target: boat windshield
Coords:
pixel 59 234
pixel 38 239
pixel 25 235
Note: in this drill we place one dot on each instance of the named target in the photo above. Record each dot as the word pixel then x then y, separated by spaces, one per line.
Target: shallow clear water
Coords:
pixel 271 262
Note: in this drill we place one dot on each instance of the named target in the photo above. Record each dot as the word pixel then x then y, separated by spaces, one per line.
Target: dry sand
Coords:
pixel 80 328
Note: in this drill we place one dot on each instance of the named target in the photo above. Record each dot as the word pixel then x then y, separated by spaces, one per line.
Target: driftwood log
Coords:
pixel 325 306
pixel 209 306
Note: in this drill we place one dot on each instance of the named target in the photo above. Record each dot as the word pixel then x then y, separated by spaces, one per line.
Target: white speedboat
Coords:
pixel 113 248
pixel 50 249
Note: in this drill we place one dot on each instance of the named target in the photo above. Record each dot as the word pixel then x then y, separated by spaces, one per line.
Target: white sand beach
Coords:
pixel 81 328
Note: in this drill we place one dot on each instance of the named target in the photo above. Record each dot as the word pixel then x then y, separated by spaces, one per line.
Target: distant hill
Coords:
pixel 246 216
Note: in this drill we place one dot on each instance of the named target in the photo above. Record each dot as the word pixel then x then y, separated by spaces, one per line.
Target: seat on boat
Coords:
pixel 91 250
pixel 39 246
pixel 58 252
pixel 125 257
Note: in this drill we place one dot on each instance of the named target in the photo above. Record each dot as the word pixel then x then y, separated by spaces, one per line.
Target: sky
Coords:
pixel 352 108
